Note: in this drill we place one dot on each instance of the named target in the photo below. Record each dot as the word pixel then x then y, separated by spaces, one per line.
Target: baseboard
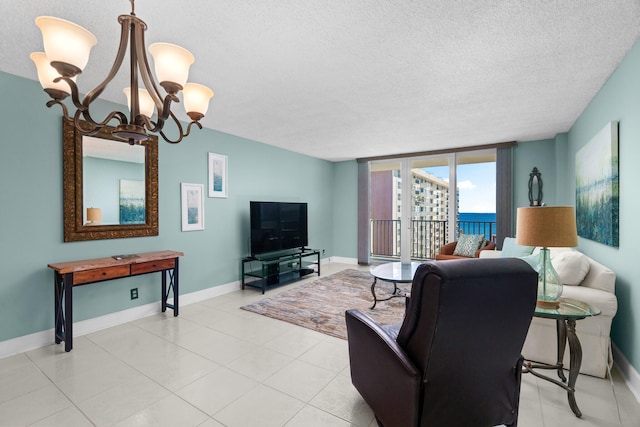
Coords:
pixel 628 372
pixel 44 338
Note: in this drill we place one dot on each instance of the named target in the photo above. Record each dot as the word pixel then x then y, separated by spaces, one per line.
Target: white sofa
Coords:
pixel 598 290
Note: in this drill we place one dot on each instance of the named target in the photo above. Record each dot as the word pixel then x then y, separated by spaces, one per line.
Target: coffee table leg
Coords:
pixel 373 292
pixel 575 353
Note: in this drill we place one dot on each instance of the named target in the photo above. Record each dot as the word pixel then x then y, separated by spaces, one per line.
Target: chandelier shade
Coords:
pixel 66 43
pixel 171 63
pixel 196 98
pixel 67 47
pixel 47 74
pixel 147 106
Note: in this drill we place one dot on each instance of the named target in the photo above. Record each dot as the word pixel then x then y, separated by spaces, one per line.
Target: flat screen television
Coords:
pixel 277 226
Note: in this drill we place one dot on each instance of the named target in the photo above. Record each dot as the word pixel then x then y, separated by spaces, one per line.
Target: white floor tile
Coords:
pixel 33 406
pixel 300 380
pixel 69 417
pixel 260 364
pixel 170 411
pixel 216 390
pixel 314 417
pixel 118 403
pixel 341 399
pixel 262 406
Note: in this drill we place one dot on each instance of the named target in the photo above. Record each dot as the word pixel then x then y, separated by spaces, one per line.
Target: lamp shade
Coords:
pixel 547 226
pixel 65 41
pixel 145 102
pixel 94 215
pixel 46 73
pixel 171 62
pixel 196 98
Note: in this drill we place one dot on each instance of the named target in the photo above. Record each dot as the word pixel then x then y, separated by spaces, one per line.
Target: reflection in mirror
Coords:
pixel 113 190
pixel 535 188
pixel 110 187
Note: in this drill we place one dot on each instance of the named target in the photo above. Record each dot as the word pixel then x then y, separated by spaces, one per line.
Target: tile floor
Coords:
pixel 216 365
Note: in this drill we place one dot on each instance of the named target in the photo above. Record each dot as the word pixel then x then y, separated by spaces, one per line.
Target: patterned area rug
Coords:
pixel 320 305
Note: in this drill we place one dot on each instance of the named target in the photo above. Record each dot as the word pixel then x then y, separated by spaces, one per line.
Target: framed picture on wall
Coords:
pixel 217 175
pixel 192 198
pixel 132 194
pixel 597 182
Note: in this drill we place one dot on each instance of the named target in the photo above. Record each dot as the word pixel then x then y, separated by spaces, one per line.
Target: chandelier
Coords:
pixel 67 48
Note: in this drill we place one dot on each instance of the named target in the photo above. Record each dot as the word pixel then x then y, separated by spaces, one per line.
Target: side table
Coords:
pixel 566 315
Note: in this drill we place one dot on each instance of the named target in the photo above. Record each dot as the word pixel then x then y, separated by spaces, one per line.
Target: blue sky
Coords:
pixel 477 185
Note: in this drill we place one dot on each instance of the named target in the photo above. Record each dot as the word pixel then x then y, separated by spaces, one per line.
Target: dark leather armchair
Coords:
pixel 456 359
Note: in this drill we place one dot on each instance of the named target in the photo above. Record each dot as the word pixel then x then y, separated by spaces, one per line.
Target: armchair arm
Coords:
pixel 382 372
pixel 448 248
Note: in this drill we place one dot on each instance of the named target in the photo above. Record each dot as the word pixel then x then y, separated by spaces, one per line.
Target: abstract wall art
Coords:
pixel 597 183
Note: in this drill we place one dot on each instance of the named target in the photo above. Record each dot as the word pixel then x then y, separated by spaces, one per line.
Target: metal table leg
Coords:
pixel 394 294
pixel 575 354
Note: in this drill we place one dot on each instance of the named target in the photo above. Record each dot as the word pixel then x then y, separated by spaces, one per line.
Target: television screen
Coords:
pixel 277 226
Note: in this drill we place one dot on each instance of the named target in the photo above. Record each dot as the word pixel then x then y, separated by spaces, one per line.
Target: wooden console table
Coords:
pixel 76 273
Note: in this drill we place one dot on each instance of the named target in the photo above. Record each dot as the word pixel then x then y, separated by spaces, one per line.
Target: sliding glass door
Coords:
pixel 419 204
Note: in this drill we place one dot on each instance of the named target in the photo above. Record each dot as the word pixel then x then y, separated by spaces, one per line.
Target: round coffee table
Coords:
pixel 393 272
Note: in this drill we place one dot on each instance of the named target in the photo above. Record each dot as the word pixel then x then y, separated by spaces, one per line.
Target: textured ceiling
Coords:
pixel 340 79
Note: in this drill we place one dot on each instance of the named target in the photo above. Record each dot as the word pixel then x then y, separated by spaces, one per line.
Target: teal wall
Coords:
pixel 527 155
pixel 31 223
pixel 619 99
pixel 345 207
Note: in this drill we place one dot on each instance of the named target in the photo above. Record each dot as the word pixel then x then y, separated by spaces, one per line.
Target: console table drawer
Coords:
pixel 148 267
pixel 98 274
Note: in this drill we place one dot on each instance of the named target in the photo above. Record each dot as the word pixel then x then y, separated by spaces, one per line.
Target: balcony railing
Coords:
pixel 427 236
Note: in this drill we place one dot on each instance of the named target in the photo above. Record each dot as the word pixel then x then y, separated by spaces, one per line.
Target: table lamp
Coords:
pixel 94 216
pixel 547 227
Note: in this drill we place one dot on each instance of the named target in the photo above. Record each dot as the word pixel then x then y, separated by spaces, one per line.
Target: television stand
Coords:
pixel 279 268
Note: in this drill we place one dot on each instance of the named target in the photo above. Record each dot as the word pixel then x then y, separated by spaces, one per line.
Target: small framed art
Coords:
pixel 217 175
pixel 192 206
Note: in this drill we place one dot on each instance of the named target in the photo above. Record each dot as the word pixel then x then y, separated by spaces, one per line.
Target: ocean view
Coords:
pixel 477 216
pixel 478 223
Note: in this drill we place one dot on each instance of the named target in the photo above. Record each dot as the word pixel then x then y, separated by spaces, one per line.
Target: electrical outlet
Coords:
pixel 134 293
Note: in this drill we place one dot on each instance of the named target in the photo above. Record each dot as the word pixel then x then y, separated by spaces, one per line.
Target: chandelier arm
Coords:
pixel 189 127
pixel 180 131
pixel 166 112
pixel 75 95
pixel 122 49
pixel 65 112
pixel 145 70
pixel 95 126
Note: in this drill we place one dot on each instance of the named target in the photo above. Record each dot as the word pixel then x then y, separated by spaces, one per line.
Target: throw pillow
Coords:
pixel 468 244
pixel 510 249
pixel 572 266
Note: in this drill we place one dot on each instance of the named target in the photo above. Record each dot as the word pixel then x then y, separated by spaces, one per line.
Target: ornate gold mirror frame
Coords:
pixel 75 229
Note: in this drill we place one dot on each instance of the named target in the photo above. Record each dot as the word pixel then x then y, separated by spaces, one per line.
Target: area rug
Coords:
pixel 320 305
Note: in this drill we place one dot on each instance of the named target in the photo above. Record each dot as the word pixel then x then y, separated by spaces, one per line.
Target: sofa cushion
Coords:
pixel 468 244
pixel 572 266
pixel 510 249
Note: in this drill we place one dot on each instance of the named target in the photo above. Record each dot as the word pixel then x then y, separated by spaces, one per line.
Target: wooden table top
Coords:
pixel 90 264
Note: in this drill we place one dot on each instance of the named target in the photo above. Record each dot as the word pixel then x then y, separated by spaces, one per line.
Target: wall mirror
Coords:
pixel 535 188
pixel 110 187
